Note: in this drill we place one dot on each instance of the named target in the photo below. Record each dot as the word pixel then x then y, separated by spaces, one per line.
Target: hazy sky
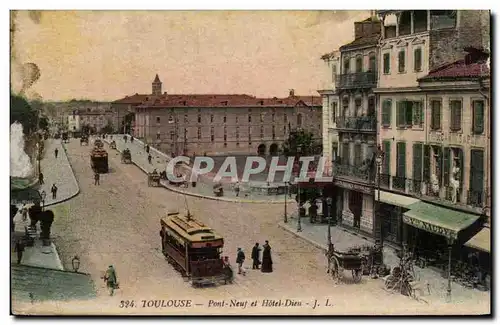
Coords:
pixel 106 55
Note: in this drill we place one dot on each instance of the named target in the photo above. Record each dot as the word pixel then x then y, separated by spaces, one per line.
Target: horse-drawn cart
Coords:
pixel 84 140
pixel 126 156
pixel 339 261
pixel 153 179
pixel 112 145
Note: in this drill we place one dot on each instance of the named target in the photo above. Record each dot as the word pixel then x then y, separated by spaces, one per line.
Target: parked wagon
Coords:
pixel 340 261
pixel 153 179
pixel 126 156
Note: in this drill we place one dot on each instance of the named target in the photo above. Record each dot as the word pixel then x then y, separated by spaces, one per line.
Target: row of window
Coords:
pixel 372 64
pixel 262 117
pixel 435 161
pixel 212 133
pixel 417 61
pixel 411 114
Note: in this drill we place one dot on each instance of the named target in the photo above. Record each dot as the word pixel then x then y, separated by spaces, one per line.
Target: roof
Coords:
pixel 134 99
pixel 362 41
pixel 458 69
pixel 189 229
pixel 157 79
pixel 216 100
pixel 481 241
pixel 438 220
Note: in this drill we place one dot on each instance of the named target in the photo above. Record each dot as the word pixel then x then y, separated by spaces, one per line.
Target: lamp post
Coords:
pixel 299 225
pixel 379 241
pixel 286 194
pixel 329 205
pixel 75 263
pixel 43 195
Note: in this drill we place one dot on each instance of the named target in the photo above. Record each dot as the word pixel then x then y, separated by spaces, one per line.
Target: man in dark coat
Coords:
pixel 267 262
pixel 255 256
pixel 53 189
pixel 40 179
pixel 240 258
pixel 19 248
pixel 56 152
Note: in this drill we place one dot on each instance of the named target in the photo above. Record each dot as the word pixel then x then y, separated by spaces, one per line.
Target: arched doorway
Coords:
pixel 261 150
pixel 273 149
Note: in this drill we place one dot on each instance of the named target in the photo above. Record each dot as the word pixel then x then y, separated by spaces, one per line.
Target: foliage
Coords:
pixel 46 219
pixel 34 214
pixel 301 142
pixel 21 111
pixel 44 123
pixel 108 129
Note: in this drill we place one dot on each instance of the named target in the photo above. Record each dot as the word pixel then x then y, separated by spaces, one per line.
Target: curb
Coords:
pixel 301 236
pixel 74 179
pixel 213 198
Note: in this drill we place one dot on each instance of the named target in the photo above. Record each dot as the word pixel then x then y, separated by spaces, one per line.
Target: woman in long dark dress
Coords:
pixel 267 261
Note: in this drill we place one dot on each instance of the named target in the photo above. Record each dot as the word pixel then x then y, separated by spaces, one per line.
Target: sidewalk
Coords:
pixel 204 186
pixel 316 234
pixel 57 171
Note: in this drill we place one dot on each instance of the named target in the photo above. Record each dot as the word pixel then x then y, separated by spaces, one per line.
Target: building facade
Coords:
pixel 215 124
pixel 95 119
pixel 432 126
pixel 330 108
pixel 355 124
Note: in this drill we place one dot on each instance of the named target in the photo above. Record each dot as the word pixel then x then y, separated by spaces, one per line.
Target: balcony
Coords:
pixel 473 201
pixel 359 124
pixel 356 80
pixel 359 173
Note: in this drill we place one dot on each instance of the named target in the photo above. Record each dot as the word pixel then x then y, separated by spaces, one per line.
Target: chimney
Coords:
pixel 292 93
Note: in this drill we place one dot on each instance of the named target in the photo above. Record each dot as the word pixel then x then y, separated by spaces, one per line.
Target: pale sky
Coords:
pixel 105 55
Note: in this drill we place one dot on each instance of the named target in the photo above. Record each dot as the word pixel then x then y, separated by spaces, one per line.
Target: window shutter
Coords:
pixel 417 56
pixel 461 166
pixel 422 115
pixel 345 153
pixel 386 113
pixel 401 161
pixel 400 114
pixel 408 113
pixel 417 161
pixel 478 124
pixel 427 163
pixel 387 157
pixel 387 62
pixel 439 170
pixel 446 166
pixel 476 170
pixel 401 59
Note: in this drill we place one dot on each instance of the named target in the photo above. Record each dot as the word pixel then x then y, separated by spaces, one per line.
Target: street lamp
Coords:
pixel 286 194
pixel 328 211
pixel 174 121
pixel 299 225
pixel 43 195
pixel 75 263
pixel 379 241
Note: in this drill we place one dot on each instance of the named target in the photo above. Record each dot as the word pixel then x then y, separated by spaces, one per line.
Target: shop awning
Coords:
pixel 481 241
pixel 395 199
pixel 438 220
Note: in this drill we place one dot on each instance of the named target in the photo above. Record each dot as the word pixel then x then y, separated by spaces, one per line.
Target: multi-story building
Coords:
pixel 95 119
pixel 433 116
pixel 355 124
pixel 330 108
pixel 220 124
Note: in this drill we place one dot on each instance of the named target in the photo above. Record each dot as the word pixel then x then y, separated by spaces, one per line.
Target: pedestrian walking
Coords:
pixel 131 139
pixel 40 179
pixel 267 261
pixel 53 189
pixel 96 178
pixel 56 151
pixel 162 235
pixel 255 256
pixel 237 188
pixel 149 158
pixel 111 279
pixel 147 148
pixel 240 259
pixel 24 212
pixel 19 249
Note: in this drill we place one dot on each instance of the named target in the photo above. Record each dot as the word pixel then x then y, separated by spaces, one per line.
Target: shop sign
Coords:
pixel 429 227
pixel 353 187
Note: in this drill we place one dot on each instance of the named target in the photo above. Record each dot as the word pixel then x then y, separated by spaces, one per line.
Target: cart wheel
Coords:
pixel 334 268
pixel 389 282
pixel 356 275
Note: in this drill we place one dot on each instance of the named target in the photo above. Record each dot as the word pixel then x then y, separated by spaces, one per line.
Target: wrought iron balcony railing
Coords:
pixel 356 80
pixel 361 123
pixel 361 172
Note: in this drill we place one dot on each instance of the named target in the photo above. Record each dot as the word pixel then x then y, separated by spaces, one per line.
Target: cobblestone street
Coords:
pixel 117 222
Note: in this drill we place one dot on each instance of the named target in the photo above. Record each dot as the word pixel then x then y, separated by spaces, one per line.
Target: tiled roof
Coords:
pixel 208 100
pixel 362 41
pixel 134 99
pixel 459 69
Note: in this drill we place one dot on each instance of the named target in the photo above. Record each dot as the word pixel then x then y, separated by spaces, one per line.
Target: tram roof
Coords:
pixel 188 228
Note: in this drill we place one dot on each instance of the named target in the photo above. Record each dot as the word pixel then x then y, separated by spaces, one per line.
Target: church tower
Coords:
pixel 157 86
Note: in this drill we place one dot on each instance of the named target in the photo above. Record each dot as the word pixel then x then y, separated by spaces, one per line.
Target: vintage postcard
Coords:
pixel 250 162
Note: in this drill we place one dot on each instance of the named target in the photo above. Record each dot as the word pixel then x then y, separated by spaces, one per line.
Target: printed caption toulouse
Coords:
pixel 253 165
pixel 171 303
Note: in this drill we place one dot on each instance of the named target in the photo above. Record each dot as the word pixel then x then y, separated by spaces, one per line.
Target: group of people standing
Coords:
pixel 266 265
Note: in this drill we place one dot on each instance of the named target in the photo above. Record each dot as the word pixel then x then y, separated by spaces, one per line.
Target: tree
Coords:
pixel 44 123
pixel 108 129
pixel 46 220
pixel 300 139
pixel 34 212
pixel 21 111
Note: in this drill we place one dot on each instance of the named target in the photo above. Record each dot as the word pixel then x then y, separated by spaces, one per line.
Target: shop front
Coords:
pixel 356 205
